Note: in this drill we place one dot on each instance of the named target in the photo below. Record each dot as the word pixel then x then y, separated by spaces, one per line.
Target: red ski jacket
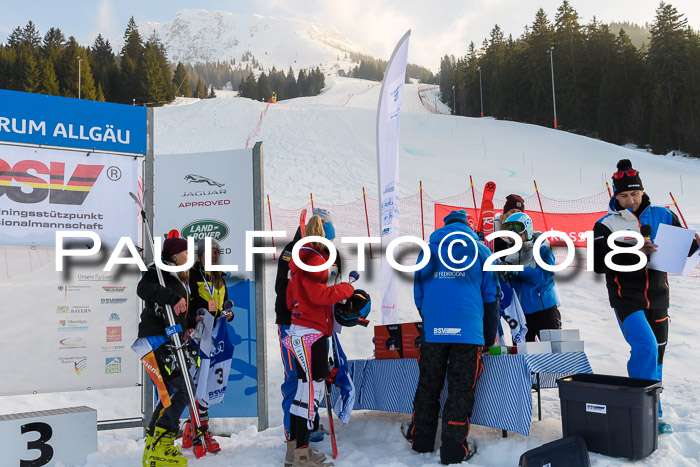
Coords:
pixel 308 296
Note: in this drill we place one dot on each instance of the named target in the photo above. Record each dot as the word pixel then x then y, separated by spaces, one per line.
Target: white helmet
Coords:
pixel 518 223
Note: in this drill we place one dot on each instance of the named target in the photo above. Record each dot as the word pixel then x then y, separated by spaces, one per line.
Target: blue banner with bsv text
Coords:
pixel 75 123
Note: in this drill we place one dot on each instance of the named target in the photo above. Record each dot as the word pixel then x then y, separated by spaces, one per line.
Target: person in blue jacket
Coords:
pixel 639 298
pixel 534 285
pixel 459 307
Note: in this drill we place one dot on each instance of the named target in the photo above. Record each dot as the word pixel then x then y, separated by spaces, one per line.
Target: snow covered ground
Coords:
pixel 326 145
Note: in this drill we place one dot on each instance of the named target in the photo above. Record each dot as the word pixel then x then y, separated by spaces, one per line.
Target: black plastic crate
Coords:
pixel 616 416
pixel 567 452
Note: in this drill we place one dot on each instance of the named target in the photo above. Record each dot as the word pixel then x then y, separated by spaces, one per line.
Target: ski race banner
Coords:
pixel 575 225
pixel 38 119
pixel 76 325
pixel 211 195
pixel 388 113
pixel 68 327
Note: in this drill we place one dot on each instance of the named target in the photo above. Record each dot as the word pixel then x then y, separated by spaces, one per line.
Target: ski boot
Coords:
pixel 452 452
pixel 210 442
pixel 406 429
pixel 147 446
pixel 163 451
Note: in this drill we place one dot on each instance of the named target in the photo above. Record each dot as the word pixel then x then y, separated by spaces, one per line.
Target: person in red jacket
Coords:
pixel 311 299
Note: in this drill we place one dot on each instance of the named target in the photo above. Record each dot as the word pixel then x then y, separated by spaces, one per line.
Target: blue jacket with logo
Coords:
pixel 452 302
pixel 534 285
pixel 636 290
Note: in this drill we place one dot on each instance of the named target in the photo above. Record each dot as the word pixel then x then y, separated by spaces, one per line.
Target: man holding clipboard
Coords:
pixel 639 298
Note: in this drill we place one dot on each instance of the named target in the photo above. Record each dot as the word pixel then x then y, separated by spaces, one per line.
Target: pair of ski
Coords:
pixel 485 225
pixel 173 330
pixel 329 406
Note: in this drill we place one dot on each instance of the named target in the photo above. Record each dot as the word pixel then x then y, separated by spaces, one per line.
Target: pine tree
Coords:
pixel 49 82
pixel 201 93
pixel 264 92
pixel 15 38
pixel 31 78
pixel 302 84
pixel 150 77
pixel 249 87
pixel 103 63
pixel 290 86
pixel 181 81
pixel 99 95
pixel 128 86
pixel 54 42
pixel 690 120
pixel 539 41
pixel 30 36
pixel 67 70
pixel 133 44
pixel 669 62
pixel 8 60
pixel 570 61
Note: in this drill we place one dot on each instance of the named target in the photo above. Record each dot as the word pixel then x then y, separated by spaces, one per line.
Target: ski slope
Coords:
pixel 325 145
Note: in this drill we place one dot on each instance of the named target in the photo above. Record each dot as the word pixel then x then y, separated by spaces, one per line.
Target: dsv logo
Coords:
pixel 73 193
pixel 192 178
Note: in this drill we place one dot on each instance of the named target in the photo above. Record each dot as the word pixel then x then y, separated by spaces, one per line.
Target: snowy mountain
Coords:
pixel 325 144
pixel 200 36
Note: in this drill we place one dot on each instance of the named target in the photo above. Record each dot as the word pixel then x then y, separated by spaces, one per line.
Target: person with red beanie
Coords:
pixel 311 299
pixel 165 422
pixel 514 203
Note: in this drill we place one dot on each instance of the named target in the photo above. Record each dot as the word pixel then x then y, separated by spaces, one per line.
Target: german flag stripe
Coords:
pixel 76 179
pixel 70 188
pixel 80 183
pixel 40 184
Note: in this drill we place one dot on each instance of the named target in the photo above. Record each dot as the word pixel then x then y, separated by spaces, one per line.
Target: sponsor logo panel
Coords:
pixel 205 228
pixel 114 333
pixel 78 342
pixel 113 365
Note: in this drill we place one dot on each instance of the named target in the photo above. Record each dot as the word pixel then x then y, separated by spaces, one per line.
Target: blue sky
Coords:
pixel 375 24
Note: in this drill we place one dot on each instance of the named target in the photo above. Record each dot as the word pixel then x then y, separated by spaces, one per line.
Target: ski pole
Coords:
pixel 172 332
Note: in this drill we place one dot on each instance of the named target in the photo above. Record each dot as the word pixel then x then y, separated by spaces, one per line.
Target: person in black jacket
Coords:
pixel 208 292
pixel 639 298
pixel 164 424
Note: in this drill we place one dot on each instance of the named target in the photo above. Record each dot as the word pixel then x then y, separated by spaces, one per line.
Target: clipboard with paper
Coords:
pixel 672 252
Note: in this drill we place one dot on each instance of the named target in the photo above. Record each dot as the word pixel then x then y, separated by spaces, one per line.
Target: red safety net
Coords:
pixel 573 217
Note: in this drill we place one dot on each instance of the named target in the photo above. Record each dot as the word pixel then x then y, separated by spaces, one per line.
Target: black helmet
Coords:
pixel 355 309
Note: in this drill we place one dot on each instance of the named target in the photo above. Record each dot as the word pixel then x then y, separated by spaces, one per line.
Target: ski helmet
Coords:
pixel 518 223
pixel 357 307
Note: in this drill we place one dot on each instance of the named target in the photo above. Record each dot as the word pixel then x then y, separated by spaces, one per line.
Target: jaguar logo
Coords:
pixel 192 178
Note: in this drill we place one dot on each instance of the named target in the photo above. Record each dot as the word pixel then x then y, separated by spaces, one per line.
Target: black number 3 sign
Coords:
pixel 45 450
